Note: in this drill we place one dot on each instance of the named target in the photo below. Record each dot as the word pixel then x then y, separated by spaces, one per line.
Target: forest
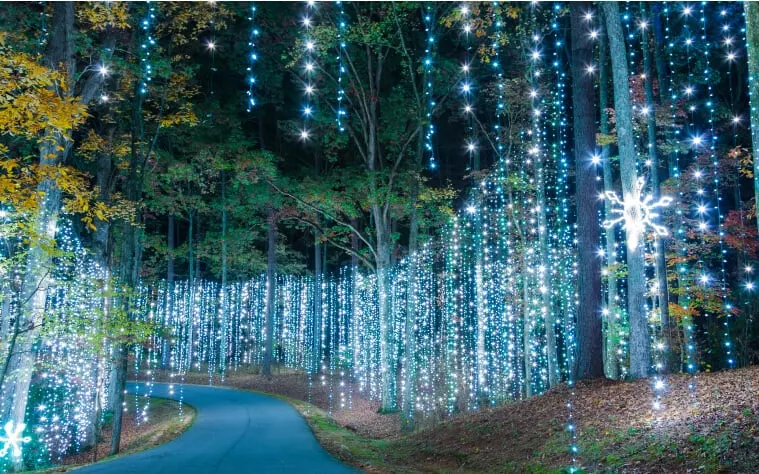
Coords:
pixel 431 209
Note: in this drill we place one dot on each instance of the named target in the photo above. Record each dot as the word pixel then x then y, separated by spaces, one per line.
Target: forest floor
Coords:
pixel 713 428
pixel 162 426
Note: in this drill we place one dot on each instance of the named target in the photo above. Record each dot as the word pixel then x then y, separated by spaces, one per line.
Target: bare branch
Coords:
pixel 326 214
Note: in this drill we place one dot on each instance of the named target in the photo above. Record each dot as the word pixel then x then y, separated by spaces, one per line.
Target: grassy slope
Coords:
pixel 163 426
pixel 712 429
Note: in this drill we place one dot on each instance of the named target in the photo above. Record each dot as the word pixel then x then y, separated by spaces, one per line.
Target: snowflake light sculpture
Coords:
pixel 12 439
pixel 636 213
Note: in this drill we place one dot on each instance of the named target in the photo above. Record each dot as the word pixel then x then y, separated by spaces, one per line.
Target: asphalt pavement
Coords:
pixel 234 432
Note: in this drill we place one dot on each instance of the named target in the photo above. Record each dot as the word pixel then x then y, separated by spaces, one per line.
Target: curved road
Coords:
pixel 234 432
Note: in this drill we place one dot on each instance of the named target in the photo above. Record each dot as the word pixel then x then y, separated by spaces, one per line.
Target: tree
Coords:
pixel 54 144
pixel 383 139
pixel 631 193
pixel 752 45
pixel 660 242
pixel 612 332
pixel 589 356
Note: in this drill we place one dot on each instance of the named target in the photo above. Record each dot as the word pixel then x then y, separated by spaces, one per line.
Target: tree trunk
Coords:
pixel 387 344
pixel 610 357
pixel 191 286
pixel 636 279
pixel 526 322
pixel 18 370
pixel 546 289
pixel 170 277
pixel 318 279
pixel 660 242
pixel 271 289
pixel 752 45
pixel 223 290
pixel 659 48
pixel 409 344
pixel 589 337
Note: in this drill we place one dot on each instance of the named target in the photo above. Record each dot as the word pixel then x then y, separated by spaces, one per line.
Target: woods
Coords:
pixel 436 207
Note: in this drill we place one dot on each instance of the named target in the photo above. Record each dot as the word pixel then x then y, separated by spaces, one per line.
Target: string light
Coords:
pixel 309 68
pixel 147 44
pixel 428 78
pixel 341 45
pixel 252 59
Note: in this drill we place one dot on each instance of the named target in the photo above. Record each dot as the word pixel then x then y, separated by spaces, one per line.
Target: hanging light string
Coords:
pixel 467 87
pixel 211 46
pixel 494 189
pixel 340 112
pixel 428 68
pixel 147 44
pixel 684 278
pixel 748 285
pixel 727 305
pixel 696 143
pixel 655 246
pixel 252 59
pixel 309 69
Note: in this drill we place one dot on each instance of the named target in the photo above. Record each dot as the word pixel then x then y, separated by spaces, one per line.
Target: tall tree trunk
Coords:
pixel 170 277
pixel 128 274
pixel 318 280
pixel 409 344
pixel 640 356
pixel 589 354
pixel 526 322
pixel 101 239
pixel 660 242
pixel 387 343
pixel 612 331
pixel 191 285
pixel 223 291
pixel 659 48
pixel 271 289
pixel 170 244
pixel 752 44
pixel 546 290
pixel 18 370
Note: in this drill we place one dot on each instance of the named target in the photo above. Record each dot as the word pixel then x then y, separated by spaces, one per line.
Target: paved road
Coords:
pixel 234 432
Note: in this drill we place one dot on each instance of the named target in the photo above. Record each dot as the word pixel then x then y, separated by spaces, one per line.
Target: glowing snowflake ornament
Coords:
pixel 12 440
pixel 636 213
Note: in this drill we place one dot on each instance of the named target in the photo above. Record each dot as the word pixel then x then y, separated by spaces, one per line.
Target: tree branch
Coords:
pixel 326 214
